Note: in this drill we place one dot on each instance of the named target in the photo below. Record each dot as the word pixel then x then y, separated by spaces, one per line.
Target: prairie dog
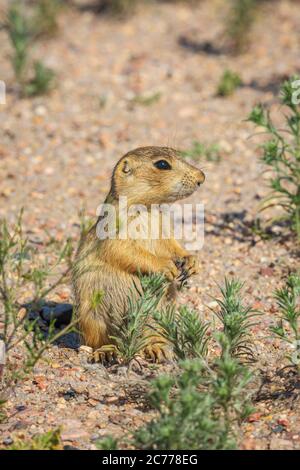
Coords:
pixel 110 267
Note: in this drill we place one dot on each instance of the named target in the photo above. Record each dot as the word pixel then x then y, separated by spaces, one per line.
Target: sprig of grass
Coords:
pixel 281 156
pixel 85 222
pixel 119 7
pixel 34 79
pixel 20 37
pixel 199 409
pixel 184 329
pixel 48 441
pixel 185 416
pixel 45 19
pixel 42 81
pixel 288 326
pixel 241 16
pixel 20 268
pixel 199 150
pixel 203 406
pixel 107 443
pixel 237 319
pixel 229 82
pixel 147 99
pixel 134 332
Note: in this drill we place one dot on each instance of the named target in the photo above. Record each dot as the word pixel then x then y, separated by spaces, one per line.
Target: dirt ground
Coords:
pixel 56 156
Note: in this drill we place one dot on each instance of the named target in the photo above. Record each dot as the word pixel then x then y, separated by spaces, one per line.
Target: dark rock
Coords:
pixel 278 429
pixel 21 425
pixel 20 407
pixel 7 441
pixel 34 316
pixel 69 340
pixel 69 394
pixel 61 314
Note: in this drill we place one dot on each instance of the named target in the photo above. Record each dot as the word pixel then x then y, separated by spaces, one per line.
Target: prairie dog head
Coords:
pixel 154 175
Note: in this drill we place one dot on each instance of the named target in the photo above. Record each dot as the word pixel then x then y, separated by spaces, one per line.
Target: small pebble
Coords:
pixel 7 441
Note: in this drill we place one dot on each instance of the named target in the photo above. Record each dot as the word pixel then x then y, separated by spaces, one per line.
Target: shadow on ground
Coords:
pixel 198 47
pixel 283 385
pixel 241 227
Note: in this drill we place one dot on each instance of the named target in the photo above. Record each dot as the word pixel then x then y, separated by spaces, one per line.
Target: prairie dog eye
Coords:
pixel 162 165
pixel 126 168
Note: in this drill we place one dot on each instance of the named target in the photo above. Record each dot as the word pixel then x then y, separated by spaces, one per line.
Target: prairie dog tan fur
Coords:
pixel 148 175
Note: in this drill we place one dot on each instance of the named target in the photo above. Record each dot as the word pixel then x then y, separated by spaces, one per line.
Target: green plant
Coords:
pixel 2 411
pixel 184 329
pixel 288 326
pixel 236 319
pixel 204 404
pixel 241 16
pixel 229 82
pixel 22 269
pixel 47 441
pixel 211 152
pixel 119 7
pixel 147 99
pixel 22 34
pixel 186 417
pixel 281 156
pixel 257 228
pixel 97 298
pixel 19 34
pixel 107 443
pixel 42 81
pixel 85 222
pixel 200 408
pixel 229 386
pixel 132 335
pixel 45 20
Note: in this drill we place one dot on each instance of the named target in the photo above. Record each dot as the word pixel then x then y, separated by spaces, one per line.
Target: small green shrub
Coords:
pixel 3 414
pixel 288 326
pixel 203 406
pixel 239 21
pixel 229 82
pixel 199 150
pixel 134 332
pixel 22 35
pixel 200 408
pixel 47 441
pixel 107 443
pixel 186 416
pixel 119 7
pixel 281 156
pixel 85 222
pixel 21 269
pixel 257 228
pixel 147 99
pixel 42 81
pixel 45 19
pixel 184 329
pixel 236 318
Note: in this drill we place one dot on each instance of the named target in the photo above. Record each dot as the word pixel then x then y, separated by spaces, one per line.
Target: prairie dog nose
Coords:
pixel 200 178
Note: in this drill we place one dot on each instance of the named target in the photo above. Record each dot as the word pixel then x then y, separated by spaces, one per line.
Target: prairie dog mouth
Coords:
pixel 182 194
pixel 186 190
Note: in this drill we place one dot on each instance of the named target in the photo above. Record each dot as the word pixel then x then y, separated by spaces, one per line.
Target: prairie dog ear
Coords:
pixel 126 167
